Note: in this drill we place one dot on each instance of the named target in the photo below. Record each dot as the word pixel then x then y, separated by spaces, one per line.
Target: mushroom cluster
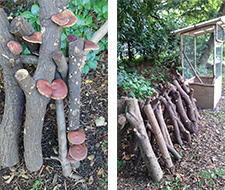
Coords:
pixel 57 90
pixel 78 151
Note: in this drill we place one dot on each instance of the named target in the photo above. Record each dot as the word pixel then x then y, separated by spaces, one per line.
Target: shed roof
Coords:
pixel 202 27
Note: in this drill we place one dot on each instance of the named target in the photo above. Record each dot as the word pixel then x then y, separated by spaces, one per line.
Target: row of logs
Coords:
pixel 172 106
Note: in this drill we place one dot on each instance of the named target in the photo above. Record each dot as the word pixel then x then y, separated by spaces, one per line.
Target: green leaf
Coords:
pixel 105 8
pixel 86 1
pixel 85 69
pixel 35 9
pixel 89 20
pixel 87 6
pixel 93 64
pixel 97 8
pixel 27 14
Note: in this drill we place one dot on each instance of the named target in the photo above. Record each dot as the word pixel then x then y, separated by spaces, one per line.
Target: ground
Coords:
pixel 94 169
pixel 202 165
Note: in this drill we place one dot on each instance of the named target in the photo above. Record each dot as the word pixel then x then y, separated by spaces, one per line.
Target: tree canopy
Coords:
pixel 145 26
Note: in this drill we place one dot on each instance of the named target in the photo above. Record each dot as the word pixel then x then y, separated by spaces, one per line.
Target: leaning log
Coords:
pixel 133 116
pixel 158 135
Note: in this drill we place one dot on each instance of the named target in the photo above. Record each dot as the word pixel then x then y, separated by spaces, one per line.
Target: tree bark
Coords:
pixel 133 116
pixel 172 117
pixel 159 116
pixel 20 27
pixel 190 110
pixel 181 111
pixel 36 103
pixel 76 62
pixel 14 99
pixel 158 135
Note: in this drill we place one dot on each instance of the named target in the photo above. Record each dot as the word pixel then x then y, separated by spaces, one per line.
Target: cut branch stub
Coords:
pixel 78 152
pixel 15 47
pixel 71 37
pixel 57 90
pixel 76 137
pixel 61 63
pixel 64 19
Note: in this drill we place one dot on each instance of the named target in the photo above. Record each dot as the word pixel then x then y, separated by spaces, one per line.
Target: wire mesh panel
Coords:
pixel 219 56
pixel 204 43
pixel 188 47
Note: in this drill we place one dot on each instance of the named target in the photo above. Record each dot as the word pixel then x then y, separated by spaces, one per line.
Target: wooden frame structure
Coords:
pixel 207 89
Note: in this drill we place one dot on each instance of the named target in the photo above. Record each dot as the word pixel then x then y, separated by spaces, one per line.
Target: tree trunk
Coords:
pixel 14 99
pixel 133 116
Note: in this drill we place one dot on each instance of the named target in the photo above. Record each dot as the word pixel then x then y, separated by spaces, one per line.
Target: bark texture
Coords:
pixel 76 62
pixel 36 103
pixel 14 99
pixel 133 116
pixel 158 135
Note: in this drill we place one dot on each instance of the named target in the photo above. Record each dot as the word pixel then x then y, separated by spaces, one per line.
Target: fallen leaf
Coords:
pixel 5 177
pixel 10 179
pixel 100 121
pixel 90 180
pixel 24 176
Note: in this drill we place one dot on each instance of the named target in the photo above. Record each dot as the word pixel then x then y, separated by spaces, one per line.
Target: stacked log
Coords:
pixel 174 106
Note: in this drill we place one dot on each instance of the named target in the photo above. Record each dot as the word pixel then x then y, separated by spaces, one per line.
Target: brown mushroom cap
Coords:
pixel 59 89
pixel 15 47
pixel 36 37
pixel 89 45
pixel 78 152
pixel 70 159
pixel 76 137
pixel 44 88
pixel 65 18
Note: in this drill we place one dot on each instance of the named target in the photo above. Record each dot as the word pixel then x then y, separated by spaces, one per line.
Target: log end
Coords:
pixel 21 74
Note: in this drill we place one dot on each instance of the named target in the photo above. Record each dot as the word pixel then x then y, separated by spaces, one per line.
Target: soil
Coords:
pixel 202 165
pixel 94 105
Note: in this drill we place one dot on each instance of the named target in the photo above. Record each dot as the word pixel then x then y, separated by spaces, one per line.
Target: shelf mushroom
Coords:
pixel 36 37
pixel 89 45
pixel 57 90
pixel 76 137
pixel 15 47
pixel 65 19
pixel 78 152
pixel 70 159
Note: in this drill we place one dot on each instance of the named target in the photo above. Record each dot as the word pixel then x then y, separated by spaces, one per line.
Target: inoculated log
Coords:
pixel 159 116
pixel 76 62
pixel 188 102
pixel 20 27
pixel 35 102
pixel 14 99
pixel 173 119
pixel 181 111
pixel 133 116
pixel 184 132
pixel 158 135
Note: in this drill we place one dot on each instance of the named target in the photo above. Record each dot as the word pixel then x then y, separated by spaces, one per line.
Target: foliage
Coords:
pixel 136 86
pixel 90 14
